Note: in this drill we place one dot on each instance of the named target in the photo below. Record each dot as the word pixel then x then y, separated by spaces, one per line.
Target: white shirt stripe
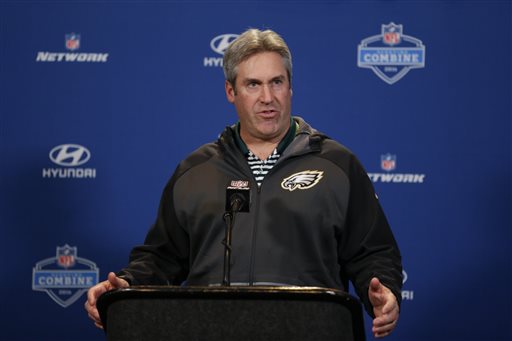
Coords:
pixel 259 167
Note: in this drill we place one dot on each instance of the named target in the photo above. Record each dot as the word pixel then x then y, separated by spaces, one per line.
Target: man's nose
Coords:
pixel 266 93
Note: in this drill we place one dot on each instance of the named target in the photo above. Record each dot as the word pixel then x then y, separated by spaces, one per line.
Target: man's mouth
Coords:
pixel 266 113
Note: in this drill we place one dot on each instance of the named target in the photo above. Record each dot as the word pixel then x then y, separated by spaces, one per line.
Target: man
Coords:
pixel 314 219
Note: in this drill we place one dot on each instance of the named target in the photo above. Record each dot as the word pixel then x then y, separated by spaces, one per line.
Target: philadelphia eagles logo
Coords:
pixel 302 180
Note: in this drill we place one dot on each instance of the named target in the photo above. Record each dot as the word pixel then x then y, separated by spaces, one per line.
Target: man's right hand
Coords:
pixel 113 282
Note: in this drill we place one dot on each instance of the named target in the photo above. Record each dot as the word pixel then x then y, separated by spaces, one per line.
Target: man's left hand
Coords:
pixel 385 308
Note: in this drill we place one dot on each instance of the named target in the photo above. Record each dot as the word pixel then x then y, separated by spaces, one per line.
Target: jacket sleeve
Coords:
pixel 164 257
pixel 368 248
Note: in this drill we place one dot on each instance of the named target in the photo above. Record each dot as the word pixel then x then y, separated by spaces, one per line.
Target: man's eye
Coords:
pixel 252 85
pixel 278 81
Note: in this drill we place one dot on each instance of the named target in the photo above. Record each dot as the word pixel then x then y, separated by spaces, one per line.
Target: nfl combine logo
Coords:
pixel 388 162
pixel 391 54
pixel 65 277
pixel 72 41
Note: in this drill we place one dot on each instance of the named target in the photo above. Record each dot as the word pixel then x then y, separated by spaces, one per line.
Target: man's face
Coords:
pixel 262 98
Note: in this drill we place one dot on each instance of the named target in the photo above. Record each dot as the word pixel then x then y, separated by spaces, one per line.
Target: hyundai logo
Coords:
pixel 70 155
pixel 220 43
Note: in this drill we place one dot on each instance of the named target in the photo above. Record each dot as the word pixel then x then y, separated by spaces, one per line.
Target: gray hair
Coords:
pixel 251 42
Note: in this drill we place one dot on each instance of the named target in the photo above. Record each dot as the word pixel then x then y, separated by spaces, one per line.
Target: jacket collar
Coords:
pixel 306 139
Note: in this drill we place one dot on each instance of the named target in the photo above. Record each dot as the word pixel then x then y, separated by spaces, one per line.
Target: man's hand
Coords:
pixel 385 308
pixel 113 282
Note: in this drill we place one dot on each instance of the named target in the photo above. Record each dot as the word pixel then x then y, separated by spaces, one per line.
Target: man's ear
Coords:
pixel 230 92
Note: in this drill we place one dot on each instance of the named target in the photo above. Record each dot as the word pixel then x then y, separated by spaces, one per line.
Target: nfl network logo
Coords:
pixel 388 162
pixel 72 41
pixel 64 277
pixel 391 54
pixel 388 165
pixel 72 44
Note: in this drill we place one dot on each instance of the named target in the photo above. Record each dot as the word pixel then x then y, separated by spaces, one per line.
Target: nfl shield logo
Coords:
pixel 391 34
pixel 388 162
pixel 72 41
pixel 66 256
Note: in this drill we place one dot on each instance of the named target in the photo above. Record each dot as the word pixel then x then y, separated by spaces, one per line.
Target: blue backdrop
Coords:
pixel 99 101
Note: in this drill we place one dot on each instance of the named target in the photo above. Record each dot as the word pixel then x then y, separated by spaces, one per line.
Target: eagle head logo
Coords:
pixel 302 180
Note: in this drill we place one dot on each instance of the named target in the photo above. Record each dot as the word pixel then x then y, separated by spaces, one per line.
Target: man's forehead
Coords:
pixel 262 66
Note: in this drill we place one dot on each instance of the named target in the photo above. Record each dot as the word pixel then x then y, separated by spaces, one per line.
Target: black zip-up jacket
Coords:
pixel 315 221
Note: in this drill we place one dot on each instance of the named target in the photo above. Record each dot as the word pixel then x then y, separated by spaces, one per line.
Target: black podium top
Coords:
pixel 281 310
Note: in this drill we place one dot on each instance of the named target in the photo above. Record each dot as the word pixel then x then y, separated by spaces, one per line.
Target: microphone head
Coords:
pixel 238 196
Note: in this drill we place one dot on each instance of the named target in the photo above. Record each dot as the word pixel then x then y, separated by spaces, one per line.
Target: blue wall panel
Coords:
pixel 157 93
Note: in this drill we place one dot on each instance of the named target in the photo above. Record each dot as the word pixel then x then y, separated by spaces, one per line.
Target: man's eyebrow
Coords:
pixel 280 77
pixel 252 80
pixel 259 81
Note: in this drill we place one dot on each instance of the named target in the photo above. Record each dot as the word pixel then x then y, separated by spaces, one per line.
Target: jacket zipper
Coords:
pixel 242 161
pixel 254 233
pixel 257 205
pixel 256 216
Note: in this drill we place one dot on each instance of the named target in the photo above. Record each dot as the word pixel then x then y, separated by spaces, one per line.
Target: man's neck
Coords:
pixel 262 149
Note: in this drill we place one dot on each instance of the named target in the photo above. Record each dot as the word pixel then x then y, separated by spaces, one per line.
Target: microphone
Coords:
pixel 238 199
pixel 238 196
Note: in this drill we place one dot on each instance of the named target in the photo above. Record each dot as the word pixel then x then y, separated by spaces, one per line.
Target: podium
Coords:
pixel 244 313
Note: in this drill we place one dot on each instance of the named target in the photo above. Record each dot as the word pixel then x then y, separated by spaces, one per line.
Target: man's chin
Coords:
pixel 269 133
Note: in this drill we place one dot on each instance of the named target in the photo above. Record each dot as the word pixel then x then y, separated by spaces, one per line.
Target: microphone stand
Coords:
pixel 229 218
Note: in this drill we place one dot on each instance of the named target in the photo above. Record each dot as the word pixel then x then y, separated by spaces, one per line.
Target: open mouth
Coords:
pixel 267 113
